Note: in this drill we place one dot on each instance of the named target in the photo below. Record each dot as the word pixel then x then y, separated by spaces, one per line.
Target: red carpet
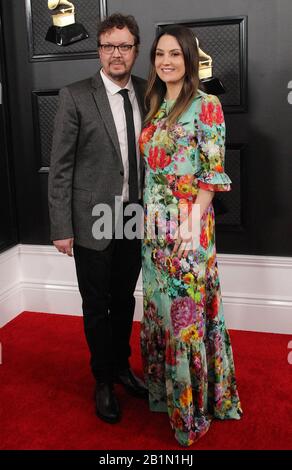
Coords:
pixel 46 393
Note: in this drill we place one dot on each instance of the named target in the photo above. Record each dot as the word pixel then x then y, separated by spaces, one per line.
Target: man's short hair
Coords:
pixel 117 20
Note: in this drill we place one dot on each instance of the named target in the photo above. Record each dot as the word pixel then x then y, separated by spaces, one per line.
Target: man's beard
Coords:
pixel 119 76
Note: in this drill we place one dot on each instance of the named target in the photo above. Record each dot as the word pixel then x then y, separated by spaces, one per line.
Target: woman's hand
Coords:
pixel 187 237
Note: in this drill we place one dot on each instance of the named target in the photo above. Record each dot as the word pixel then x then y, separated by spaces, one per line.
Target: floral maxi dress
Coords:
pixel 187 355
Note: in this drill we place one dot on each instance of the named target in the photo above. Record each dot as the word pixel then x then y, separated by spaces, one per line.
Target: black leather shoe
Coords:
pixel 107 407
pixel 132 384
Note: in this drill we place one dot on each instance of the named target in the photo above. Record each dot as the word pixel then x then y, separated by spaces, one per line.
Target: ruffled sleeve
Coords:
pixel 210 135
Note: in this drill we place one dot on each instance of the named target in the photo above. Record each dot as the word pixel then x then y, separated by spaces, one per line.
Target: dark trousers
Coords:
pixel 107 281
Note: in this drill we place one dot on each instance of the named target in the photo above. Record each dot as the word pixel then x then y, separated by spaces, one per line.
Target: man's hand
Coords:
pixel 64 246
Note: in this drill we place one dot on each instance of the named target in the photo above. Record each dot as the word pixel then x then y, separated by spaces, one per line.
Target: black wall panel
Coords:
pixel 8 228
pixel 253 64
pixel 38 21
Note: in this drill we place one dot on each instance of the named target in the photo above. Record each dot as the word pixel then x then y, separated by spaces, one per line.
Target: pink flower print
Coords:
pixel 176 262
pixel 182 313
pixel 160 258
pixel 218 391
pixel 197 363
pixel 170 178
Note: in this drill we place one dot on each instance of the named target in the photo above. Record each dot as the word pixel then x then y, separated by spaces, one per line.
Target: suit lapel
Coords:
pixel 104 109
pixel 103 106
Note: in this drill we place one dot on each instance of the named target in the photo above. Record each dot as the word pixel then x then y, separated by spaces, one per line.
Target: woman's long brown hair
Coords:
pixel 156 88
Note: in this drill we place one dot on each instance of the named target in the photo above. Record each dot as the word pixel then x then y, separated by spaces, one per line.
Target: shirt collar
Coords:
pixel 112 87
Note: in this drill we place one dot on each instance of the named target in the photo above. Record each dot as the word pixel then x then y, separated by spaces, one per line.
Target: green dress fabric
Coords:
pixel 187 355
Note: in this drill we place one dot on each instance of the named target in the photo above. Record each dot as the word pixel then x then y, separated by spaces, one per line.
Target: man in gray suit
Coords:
pixel 94 159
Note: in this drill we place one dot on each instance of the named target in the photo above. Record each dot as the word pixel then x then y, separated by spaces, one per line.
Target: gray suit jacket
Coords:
pixel 86 163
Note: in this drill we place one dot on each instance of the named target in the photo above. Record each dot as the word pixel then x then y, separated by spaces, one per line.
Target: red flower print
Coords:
pixel 170 356
pixel 204 239
pixel 169 351
pixel 219 116
pixel 158 158
pixel 200 400
pixel 184 187
pixel 211 115
pixel 206 115
pixel 146 135
pixel 213 307
pixel 218 168
pixel 176 419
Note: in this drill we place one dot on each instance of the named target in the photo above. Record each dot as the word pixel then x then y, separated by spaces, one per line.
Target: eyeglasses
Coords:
pixel 122 48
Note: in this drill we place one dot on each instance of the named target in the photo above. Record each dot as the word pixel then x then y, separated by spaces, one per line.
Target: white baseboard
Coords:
pixel 11 301
pixel 256 290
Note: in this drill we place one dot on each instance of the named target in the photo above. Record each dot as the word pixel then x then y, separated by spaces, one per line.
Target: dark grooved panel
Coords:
pixel 229 205
pixel 88 13
pixel 44 107
pixel 224 39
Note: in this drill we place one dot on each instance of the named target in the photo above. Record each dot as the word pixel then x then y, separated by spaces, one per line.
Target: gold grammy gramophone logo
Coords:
pixel 205 64
pixel 64 30
pixel 209 83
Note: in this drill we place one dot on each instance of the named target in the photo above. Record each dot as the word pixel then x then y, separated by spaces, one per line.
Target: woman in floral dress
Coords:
pixel 187 355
